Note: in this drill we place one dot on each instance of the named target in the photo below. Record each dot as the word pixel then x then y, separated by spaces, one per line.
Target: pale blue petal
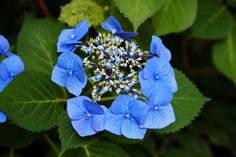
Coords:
pixel 75 107
pixel 156 46
pixel 66 60
pixel 65 41
pixel 3 117
pixel 74 86
pixel 97 122
pixel 83 127
pixel 120 104
pixel 160 118
pixel 60 76
pixel 81 29
pixel 146 84
pixel 14 64
pixel 138 109
pixel 113 122
pixel 4 45
pixel 131 129
pixel 162 96
pixel 93 107
pixel 170 81
pixel 4 74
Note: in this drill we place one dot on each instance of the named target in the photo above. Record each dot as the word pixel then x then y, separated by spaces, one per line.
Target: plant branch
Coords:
pixel 52 144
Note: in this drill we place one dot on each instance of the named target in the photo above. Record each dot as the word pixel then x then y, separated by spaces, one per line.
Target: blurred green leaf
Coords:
pixel 33 102
pixel 175 16
pixel 224 56
pixel 187 103
pixel 139 10
pixel 213 20
pixel 37 44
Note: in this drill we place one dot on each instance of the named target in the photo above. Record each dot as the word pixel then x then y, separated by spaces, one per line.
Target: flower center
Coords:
pixel 72 36
pixel 127 115
pixel 155 108
pixel 157 77
pixel 70 73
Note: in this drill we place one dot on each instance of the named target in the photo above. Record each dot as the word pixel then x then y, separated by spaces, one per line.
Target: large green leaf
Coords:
pixel 213 20
pixel 187 103
pixel 224 56
pixel 139 10
pixel 33 102
pixel 37 44
pixel 175 16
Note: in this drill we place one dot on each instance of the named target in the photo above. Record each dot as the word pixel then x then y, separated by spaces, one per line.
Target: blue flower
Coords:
pixel 161 113
pixel 9 68
pixel 3 117
pixel 159 49
pixel 87 117
pixel 69 73
pixel 69 38
pixel 157 74
pixel 125 116
pixel 4 46
pixel 112 25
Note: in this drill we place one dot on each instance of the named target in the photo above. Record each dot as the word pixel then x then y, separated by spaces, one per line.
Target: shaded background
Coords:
pixel 212 134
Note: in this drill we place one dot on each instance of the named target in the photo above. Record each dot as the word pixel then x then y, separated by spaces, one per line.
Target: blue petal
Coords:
pixel 97 122
pixel 13 64
pixel 162 96
pixel 78 72
pixel 74 86
pixel 4 83
pixel 131 129
pixel 160 118
pixel 93 107
pixel 146 84
pixel 83 127
pixel 166 53
pixel 67 60
pixel 4 45
pixel 138 110
pixel 65 41
pixel 126 34
pixel 4 74
pixel 3 117
pixel 113 122
pixel 120 104
pixel 170 80
pixel 81 29
pixel 112 25
pixel 60 76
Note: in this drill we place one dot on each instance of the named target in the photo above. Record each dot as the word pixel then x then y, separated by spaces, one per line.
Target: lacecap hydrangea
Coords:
pixel 11 66
pixel 113 67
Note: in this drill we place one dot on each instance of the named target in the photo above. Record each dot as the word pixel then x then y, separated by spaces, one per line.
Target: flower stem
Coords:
pixel 52 144
pixel 107 98
pixel 11 154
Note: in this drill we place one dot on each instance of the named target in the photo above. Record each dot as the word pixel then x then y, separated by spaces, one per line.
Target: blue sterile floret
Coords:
pixel 70 38
pixel 87 117
pixel 4 46
pixel 113 26
pixel 69 73
pixel 3 117
pixel 125 116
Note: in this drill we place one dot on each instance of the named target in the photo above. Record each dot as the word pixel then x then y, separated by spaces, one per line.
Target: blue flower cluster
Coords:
pixel 118 65
pixel 11 66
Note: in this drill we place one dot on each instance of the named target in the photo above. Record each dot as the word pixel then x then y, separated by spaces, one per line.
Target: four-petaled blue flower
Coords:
pixel 69 73
pixel 125 116
pixel 157 74
pixel 69 38
pixel 9 68
pixel 112 25
pixel 4 46
pixel 161 113
pixel 159 49
pixel 3 117
pixel 87 117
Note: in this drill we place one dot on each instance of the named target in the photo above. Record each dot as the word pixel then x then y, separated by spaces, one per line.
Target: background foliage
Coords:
pixel 201 35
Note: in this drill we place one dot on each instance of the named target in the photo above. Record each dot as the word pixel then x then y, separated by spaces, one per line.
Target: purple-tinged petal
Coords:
pixel 60 76
pixel 120 104
pixel 83 127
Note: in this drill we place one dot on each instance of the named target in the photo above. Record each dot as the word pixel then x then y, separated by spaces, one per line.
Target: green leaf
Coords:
pixel 33 102
pixel 224 56
pixel 139 10
pixel 213 20
pixel 37 44
pixel 69 137
pixel 103 149
pixel 175 16
pixel 15 137
pixel 187 103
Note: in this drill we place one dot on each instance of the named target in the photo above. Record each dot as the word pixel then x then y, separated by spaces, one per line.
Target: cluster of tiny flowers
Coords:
pixel 11 66
pixel 143 81
pixel 114 63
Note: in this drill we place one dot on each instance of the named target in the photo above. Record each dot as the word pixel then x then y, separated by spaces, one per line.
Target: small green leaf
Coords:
pixel 139 10
pixel 69 137
pixel 224 56
pixel 33 102
pixel 187 103
pixel 175 16
pixel 37 44
pixel 213 20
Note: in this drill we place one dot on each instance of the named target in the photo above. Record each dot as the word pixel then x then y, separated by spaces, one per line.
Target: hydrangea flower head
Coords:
pixel 69 73
pixel 3 117
pixel 87 117
pixel 69 38
pixel 125 116
pixel 4 46
pixel 112 25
